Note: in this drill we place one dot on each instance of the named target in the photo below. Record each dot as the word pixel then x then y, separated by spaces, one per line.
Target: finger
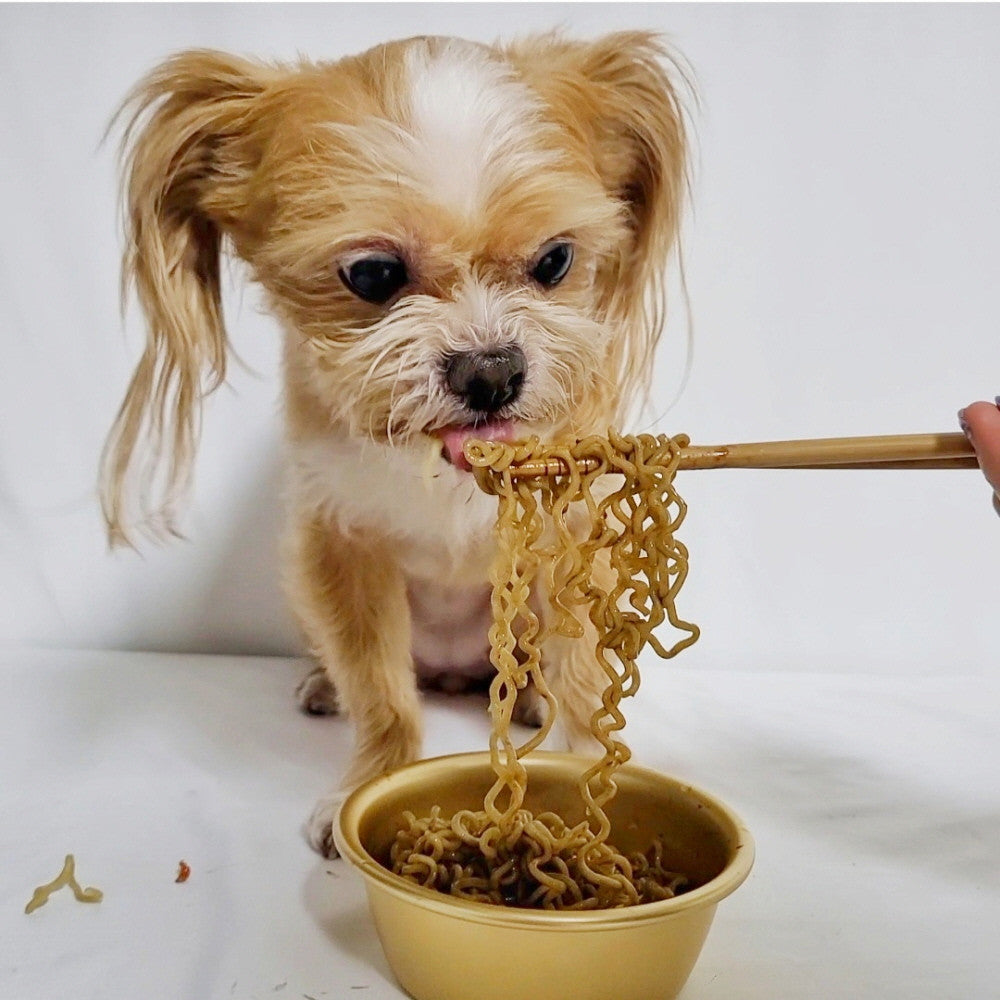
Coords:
pixel 981 423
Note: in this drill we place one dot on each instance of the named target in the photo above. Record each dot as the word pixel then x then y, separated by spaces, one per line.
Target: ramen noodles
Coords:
pixel 66 877
pixel 596 533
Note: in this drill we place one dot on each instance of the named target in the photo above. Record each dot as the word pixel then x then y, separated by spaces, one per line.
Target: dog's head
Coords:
pixel 457 239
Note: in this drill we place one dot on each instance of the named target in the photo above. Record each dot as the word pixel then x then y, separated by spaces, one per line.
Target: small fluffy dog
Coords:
pixel 458 240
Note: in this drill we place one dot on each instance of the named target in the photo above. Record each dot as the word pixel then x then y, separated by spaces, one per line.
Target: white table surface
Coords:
pixel 874 801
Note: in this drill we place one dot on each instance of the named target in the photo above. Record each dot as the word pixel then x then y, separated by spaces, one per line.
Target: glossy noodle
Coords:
pixel 599 540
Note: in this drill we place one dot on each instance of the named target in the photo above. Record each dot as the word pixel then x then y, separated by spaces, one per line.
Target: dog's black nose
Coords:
pixel 486 381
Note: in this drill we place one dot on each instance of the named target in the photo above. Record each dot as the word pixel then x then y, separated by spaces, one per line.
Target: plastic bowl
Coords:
pixel 443 948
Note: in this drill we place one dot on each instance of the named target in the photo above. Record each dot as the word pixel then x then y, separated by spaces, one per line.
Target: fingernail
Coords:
pixel 996 399
pixel 962 422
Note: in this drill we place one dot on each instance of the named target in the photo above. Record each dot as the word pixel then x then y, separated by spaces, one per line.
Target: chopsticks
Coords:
pixel 898 451
pixel 894 451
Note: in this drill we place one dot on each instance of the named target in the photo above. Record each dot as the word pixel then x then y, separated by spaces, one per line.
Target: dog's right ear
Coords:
pixel 193 137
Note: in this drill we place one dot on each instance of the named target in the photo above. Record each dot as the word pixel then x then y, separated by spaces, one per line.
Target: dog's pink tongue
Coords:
pixel 453 439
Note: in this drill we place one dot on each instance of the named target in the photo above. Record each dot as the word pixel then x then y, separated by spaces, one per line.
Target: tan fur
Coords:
pixel 365 644
pixel 299 169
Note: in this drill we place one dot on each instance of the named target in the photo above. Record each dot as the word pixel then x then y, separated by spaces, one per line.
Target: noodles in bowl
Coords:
pixel 612 551
pixel 445 947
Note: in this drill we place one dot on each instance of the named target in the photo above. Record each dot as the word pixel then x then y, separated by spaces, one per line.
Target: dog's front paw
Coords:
pixel 316 694
pixel 319 829
pixel 530 708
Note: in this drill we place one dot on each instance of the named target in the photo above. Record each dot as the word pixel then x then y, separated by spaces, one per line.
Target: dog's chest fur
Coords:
pixel 439 526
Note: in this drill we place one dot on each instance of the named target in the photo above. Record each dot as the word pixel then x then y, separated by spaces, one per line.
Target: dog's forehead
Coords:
pixel 475 128
pixel 438 147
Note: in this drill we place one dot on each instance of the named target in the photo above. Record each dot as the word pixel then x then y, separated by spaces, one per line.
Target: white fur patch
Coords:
pixel 442 533
pixel 472 123
pixel 450 629
pixel 442 525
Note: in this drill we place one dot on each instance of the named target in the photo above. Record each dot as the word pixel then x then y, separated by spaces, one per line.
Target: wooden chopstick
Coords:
pixel 898 451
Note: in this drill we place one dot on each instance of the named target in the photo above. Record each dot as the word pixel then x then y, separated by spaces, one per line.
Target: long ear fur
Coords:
pixel 626 95
pixel 188 150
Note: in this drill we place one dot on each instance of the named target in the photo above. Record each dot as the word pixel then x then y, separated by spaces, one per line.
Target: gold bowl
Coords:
pixel 443 948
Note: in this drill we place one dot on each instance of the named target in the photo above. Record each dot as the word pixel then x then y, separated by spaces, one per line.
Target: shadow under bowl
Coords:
pixel 443 948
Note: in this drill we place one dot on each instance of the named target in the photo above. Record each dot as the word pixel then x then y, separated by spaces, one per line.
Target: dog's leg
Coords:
pixel 351 598
pixel 577 681
pixel 574 672
pixel 530 709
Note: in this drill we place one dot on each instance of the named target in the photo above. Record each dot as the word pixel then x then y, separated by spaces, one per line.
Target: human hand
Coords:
pixel 981 423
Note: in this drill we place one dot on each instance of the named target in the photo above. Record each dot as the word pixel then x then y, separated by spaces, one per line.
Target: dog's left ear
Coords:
pixel 623 94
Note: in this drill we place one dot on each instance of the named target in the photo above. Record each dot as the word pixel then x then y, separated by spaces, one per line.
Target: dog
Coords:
pixel 458 240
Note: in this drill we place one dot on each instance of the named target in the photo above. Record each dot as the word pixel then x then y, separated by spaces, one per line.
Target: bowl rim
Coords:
pixel 349 844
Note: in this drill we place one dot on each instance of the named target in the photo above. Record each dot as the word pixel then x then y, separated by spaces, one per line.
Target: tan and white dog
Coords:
pixel 458 240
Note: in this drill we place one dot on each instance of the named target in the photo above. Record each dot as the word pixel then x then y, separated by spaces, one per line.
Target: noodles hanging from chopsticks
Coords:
pixel 503 854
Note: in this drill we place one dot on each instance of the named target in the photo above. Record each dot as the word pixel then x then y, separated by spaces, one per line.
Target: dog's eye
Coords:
pixel 375 278
pixel 553 264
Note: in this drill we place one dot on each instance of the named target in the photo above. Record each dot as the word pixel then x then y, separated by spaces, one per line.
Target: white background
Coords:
pixel 842 260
